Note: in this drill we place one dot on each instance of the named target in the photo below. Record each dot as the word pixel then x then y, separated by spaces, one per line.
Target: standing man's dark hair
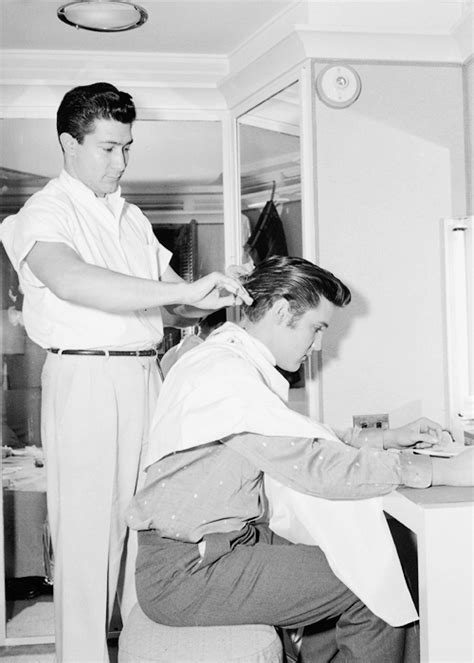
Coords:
pixel 82 105
pixel 297 280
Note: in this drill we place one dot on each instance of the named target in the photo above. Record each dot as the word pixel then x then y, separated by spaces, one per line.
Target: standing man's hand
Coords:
pixel 216 291
pixel 237 271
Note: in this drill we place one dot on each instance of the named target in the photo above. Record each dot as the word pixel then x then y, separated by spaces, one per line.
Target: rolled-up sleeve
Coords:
pixel 34 223
pixel 331 469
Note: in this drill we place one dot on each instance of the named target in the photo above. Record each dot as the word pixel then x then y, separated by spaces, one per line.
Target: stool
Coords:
pixel 145 641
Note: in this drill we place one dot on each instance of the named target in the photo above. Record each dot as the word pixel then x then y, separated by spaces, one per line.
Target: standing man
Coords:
pixel 94 278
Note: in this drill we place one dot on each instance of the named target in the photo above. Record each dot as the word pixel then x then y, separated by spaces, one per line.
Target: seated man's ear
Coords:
pixel 281 311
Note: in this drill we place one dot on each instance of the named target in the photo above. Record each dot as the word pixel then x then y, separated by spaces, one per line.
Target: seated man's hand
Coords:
pixel 421 433
pixel 455 471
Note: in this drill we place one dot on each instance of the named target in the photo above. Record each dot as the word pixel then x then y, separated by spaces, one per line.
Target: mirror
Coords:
pixel 27 558
pixel 175 176
pixel 28 611
pixel 269 136
pixel 270 170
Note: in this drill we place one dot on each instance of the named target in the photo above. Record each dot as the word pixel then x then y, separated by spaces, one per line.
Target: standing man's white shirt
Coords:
pixel 95 409
pixel 67 211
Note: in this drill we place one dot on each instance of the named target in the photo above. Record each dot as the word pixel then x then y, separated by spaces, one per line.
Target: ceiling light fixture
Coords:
pixel 102 15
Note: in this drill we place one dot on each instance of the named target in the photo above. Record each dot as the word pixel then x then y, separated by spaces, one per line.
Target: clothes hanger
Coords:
pixel 277 201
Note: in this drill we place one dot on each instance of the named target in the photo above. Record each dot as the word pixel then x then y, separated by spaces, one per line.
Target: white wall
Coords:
pixel 389 168
pixel 469 125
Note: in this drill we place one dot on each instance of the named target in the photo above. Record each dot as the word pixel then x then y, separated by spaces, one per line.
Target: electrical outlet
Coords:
pixel 370 420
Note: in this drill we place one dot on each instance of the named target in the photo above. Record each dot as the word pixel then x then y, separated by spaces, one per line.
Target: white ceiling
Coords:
pixel 219 27
pixel 189 26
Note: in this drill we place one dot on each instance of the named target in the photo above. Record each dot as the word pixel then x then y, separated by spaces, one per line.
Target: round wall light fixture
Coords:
pixel 338 85
pixel 102 15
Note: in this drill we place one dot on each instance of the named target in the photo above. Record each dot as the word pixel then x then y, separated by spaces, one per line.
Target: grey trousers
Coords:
pixel 254 576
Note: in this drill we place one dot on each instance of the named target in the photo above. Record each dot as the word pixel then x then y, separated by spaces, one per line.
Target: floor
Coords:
pixel 41 653
pixel 27 654
pixel 35 617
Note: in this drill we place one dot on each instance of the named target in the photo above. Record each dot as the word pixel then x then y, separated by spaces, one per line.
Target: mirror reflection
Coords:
pixel 270 168
pixel 27 555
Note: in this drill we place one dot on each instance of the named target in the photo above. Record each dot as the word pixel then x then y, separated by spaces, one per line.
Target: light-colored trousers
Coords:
pixel 95 422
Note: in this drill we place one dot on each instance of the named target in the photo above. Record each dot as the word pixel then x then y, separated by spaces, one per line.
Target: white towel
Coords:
pixel 229 385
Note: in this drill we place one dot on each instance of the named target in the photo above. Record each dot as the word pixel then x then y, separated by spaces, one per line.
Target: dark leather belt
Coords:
pixel 106 353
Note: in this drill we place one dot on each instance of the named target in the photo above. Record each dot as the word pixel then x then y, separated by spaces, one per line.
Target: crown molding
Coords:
pixel 278 30
pixel 463 32
pixel 371 46
pixel 277 61
pixel 139 69
pixel 41 100
pixel 413 32
pixel 34 81
pixel 443 30
pixel 387 16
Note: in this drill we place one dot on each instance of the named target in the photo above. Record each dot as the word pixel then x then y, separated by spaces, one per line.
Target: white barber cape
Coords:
pixel 229 385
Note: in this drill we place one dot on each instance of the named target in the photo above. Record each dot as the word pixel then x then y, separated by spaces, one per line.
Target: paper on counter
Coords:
pixel 442 451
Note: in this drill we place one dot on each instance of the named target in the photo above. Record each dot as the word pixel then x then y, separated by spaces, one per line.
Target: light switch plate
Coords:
pixel 370 420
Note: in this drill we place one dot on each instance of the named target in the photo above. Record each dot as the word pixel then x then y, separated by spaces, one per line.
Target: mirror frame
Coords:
pixel 304 75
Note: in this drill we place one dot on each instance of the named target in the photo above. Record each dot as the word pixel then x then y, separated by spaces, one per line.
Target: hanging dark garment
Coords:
pixel 268 237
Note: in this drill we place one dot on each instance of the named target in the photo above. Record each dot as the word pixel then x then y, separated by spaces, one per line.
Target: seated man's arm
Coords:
pixel 422 432
pixel 329 469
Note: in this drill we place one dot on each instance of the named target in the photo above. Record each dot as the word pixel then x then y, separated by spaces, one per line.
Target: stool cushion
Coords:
pixel 145 641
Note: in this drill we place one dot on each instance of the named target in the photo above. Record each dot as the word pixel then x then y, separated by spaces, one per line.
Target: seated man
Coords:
pixel 207 555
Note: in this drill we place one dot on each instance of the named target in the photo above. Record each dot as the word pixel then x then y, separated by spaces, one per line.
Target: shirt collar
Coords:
pixel 255 350
pixel 114 201
pixel 232 332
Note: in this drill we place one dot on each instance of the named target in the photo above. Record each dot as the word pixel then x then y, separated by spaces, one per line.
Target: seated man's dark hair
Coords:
pixel 298 281
pixel 82 105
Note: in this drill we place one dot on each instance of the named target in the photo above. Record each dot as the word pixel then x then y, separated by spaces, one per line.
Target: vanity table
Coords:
pixel 442 518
